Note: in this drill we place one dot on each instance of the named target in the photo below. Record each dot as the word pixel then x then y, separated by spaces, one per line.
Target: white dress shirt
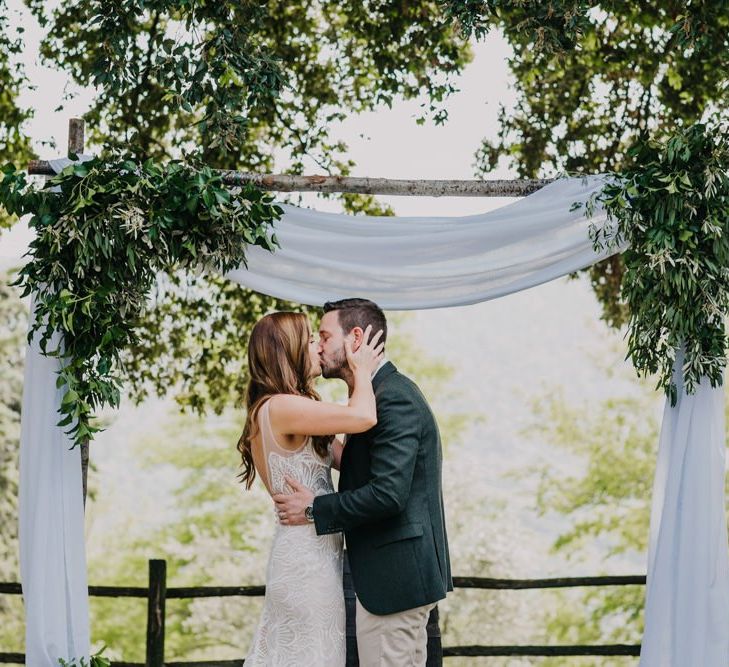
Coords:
pixel 377 370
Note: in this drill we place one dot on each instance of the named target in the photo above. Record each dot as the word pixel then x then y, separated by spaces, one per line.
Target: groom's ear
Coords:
pixel 357 337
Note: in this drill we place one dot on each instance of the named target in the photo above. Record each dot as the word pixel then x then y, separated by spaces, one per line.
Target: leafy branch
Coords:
pixel 210 65
pixel 553 27
pixel 671 205
pixel 104 231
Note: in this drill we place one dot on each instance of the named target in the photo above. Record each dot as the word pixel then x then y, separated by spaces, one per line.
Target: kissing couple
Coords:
pixel 389 506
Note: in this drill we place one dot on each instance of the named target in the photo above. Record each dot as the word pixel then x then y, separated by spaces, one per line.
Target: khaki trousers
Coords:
pixel 394 640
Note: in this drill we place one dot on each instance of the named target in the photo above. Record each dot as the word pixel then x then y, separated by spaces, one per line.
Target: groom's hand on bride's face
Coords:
pixel 290 506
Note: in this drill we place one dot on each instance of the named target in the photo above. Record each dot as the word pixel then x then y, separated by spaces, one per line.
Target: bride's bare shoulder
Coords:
pixel 288 400
pixel 282 406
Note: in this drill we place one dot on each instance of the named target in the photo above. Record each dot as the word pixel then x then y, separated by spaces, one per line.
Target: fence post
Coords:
pixel 156 613
pixel 435 647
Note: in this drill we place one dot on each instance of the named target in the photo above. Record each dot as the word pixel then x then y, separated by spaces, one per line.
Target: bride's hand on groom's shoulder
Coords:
pixel 368 355
pixel 290 506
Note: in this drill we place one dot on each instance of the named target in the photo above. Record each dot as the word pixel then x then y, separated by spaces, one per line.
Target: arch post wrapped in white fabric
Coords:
pixel 51 530
pixel 416 263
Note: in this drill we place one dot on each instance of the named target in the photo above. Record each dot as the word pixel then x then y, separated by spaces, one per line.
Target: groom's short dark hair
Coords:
pixel 358 313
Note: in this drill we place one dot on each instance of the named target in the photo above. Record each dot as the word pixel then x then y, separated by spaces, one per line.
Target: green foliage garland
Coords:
pixel 672 206
pixel 104 230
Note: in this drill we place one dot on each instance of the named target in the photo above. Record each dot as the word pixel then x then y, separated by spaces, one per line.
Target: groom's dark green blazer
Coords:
pixel 390 502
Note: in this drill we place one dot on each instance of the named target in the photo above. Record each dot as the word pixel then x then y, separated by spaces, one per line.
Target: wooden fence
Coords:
pixel 156 593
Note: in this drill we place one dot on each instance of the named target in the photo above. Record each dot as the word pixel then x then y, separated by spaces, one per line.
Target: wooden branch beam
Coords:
pixel 387 186
pixel 40 168
pixel 368 186
pixel 351 184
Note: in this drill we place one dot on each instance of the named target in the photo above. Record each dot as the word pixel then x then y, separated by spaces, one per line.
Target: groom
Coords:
pixel 390 503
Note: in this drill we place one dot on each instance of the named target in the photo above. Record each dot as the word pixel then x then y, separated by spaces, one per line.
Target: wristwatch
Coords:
pixel 309 513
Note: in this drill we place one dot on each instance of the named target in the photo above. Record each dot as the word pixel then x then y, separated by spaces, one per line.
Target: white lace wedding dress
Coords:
pixel 303 619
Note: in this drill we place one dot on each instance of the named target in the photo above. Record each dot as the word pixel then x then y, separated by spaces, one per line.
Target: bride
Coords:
pixel 288 432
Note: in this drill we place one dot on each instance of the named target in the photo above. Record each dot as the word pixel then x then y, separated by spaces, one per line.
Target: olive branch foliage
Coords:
pixel 104 231
pixel 671 207
pixel 107 229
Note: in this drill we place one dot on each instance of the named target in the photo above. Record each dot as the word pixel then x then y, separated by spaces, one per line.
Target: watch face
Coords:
pixel 309 512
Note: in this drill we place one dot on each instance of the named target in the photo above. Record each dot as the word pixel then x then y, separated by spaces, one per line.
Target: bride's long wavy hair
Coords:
pixel 278 363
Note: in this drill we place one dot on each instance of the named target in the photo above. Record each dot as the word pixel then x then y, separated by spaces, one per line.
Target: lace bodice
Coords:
pixel 305 466
pixel 302 464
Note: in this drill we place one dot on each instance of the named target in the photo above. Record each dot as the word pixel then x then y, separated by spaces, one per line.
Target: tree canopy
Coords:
pixel 244 85
pixel 242 80
pixel 14 144
pixel 592 78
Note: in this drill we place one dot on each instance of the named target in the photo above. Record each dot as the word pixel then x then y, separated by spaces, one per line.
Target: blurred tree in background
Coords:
pixel 13 326
pixel 591 78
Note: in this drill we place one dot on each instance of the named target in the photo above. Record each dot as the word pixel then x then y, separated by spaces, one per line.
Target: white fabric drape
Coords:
pixel 687 598
pixel 51 529
pixel 408 263
pixel 427 262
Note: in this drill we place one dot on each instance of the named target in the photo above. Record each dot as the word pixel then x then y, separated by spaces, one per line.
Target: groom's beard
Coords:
pixel 334 367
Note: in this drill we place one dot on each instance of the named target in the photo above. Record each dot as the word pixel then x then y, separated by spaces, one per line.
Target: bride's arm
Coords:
pixel 299 415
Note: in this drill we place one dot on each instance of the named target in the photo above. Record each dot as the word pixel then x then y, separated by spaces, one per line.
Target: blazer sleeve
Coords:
pixel 393 453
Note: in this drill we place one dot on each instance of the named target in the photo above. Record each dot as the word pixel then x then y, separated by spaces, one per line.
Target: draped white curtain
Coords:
pixel 409 263
pixel 406 263
pixel 687 610
pixel 51 530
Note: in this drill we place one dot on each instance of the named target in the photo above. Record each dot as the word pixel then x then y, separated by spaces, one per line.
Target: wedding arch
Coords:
pixel 402 263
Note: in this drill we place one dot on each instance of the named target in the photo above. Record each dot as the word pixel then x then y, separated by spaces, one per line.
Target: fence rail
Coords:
pixel 156 593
